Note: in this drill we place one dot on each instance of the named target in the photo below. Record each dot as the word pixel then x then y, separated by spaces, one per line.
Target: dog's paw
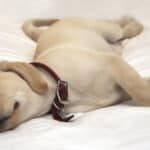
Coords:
pixel 132 29
pixel 125 20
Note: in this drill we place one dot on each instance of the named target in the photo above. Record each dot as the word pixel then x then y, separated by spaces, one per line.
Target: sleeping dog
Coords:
pixel 77 67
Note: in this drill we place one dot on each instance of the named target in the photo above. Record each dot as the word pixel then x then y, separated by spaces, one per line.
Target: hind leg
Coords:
pixel 136 87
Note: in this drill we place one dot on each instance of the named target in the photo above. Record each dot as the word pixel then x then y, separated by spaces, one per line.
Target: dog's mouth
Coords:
pixel 3 120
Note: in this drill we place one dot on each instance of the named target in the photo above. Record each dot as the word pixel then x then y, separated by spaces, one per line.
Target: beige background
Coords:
pixel 85 8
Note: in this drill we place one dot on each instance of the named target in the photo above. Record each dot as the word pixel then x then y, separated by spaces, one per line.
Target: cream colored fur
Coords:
pixel 86 54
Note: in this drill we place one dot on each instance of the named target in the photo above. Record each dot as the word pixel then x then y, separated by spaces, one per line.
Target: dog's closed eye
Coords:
pixel 16 105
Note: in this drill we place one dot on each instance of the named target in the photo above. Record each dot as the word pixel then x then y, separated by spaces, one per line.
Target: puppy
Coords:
pixel 86 54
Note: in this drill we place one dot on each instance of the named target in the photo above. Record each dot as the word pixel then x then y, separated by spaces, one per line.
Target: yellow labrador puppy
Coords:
pixel 86 54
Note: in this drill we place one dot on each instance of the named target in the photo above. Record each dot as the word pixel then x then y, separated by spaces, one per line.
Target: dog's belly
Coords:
pixel 79 37
pixel 101 93
pixel 90 84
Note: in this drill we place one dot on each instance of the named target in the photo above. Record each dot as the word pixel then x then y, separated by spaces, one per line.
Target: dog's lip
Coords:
pixel 3 123
pixel 4 119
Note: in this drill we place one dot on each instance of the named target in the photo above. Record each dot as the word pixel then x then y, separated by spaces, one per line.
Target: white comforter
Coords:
pixel 119 127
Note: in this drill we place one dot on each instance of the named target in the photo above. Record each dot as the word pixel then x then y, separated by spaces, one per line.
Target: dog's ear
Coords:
pixel 28 73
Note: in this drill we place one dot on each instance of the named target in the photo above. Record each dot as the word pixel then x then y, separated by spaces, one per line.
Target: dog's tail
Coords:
pixel 32 27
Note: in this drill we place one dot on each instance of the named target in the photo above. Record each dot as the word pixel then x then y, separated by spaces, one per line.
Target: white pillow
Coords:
pixel 14 45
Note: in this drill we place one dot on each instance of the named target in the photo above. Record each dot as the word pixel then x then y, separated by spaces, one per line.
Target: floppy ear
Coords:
pixel 28 73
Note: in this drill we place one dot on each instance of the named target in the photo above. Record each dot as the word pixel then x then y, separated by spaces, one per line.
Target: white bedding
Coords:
pixel 14 45
pixel 119 127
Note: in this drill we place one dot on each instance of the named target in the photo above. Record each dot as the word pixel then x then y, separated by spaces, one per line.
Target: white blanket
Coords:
pixel 119 127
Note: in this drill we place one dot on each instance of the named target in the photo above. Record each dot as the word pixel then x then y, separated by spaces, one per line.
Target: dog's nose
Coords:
pixel 4 118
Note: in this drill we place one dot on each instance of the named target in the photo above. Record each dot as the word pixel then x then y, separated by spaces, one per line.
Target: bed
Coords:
pixel 119 127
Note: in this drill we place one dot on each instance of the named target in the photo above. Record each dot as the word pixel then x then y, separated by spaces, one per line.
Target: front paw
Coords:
pixel 132 29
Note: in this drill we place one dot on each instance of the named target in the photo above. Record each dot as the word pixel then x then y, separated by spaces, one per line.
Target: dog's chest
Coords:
pixel 90 85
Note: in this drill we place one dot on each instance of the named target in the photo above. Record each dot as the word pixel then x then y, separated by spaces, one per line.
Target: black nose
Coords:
pixel 3 119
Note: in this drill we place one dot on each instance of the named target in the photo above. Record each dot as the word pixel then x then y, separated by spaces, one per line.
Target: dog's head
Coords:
pixel 22 89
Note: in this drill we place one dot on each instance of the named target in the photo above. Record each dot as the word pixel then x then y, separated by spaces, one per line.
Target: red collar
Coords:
pixel 61 96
